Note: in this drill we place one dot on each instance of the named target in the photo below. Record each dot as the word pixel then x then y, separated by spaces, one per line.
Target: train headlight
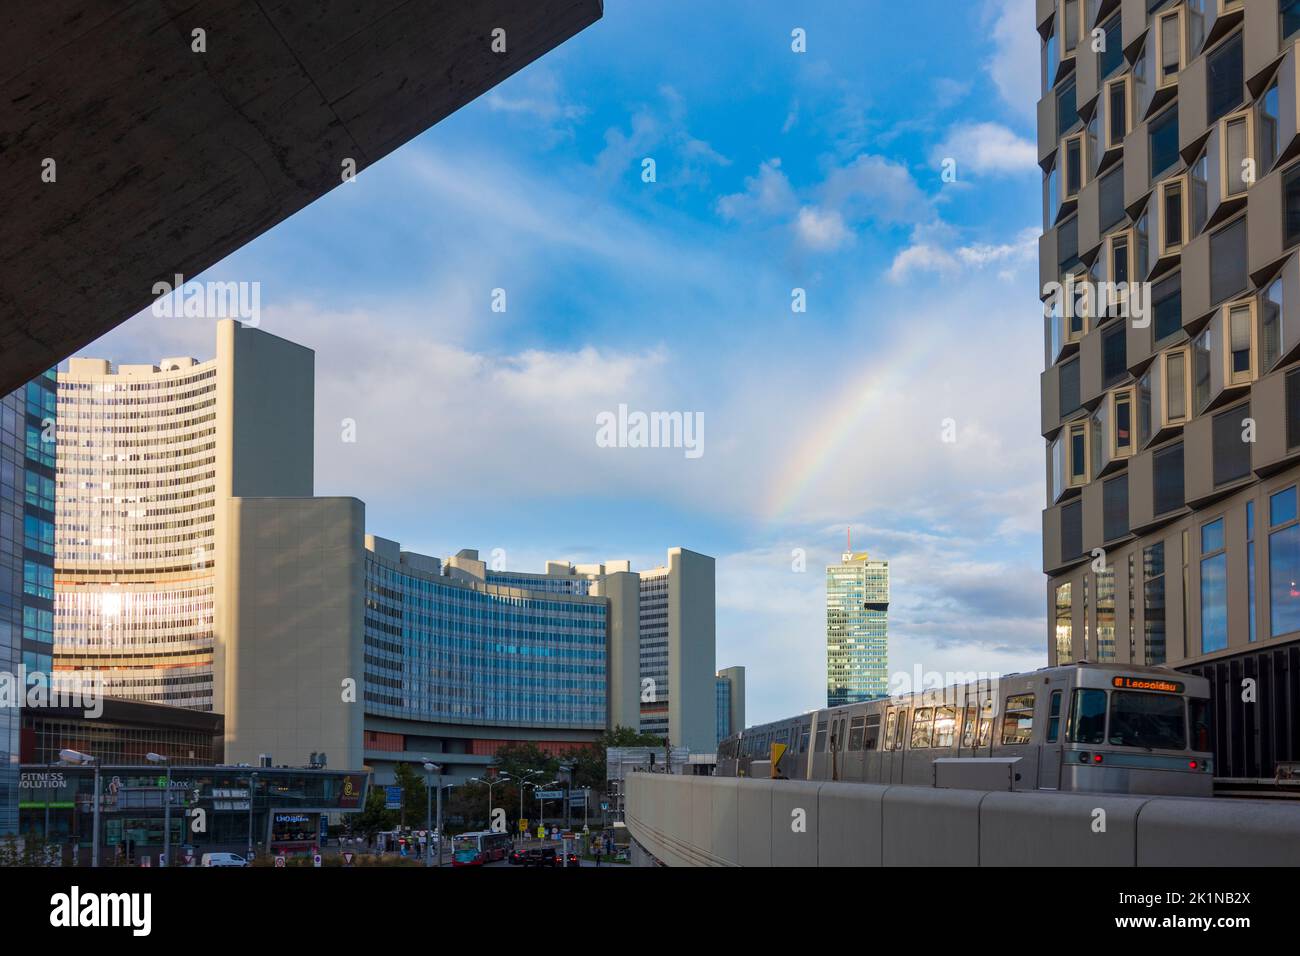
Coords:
pixel 1083 758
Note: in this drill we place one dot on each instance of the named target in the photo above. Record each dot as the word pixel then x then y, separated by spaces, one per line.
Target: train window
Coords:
pixel 969 722
pixel 821 738
pixel 1087 723
pixel 922 724
pixel 891 721
pixel 803 739
pixel 900 732
pixel 784 736
pixel 871 733
pixel 1152 721
pixel 986 725
pixel 1200 713
pixel 1018 719
pixel 945 726
pixel 856 726
pixel 1054 718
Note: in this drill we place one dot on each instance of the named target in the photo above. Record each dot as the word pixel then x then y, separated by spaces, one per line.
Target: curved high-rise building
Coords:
pixel 147 456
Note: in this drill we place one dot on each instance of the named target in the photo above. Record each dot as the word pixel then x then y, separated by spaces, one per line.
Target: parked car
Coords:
pixel 223 859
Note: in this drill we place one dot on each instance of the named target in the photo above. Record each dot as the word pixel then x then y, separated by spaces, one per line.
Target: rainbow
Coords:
pixel 852 406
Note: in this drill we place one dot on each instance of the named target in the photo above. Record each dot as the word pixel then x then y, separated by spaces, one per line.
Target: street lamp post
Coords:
pixel 252 783
pixel 501 778
pixel 523 782
pixel 430 767
pixel 167 806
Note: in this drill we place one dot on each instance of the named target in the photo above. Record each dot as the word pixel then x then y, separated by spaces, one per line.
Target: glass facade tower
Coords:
pixel 27 461
pixel 857 630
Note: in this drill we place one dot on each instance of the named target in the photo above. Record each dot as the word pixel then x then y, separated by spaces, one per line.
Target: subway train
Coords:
pixel 1091 728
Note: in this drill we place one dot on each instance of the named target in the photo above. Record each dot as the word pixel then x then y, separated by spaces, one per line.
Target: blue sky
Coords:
pixel 775 170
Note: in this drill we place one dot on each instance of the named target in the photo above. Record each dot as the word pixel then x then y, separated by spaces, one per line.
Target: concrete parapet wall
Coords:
pixel 724 821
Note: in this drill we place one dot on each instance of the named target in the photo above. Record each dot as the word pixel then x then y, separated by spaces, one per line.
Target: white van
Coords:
pixel 223 859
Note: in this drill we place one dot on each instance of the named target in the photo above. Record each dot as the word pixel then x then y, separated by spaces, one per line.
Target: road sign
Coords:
pixel 392 798
pixel 523 826
pixel 315 860
pixel 549 794
pixel 162 859
pixel 347 857
pixel 188 858
pixel 279 861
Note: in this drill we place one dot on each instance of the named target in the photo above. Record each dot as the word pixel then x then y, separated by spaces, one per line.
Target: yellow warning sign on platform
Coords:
pixel 778 751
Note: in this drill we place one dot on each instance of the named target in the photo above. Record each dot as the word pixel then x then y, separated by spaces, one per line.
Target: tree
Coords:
pixel 622 736
pixel 415 794
pixel 374 817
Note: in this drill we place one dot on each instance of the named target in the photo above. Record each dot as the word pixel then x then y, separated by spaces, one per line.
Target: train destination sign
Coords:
pixel 1148 683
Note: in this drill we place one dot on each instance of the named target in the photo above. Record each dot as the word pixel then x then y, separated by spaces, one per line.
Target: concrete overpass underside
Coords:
pixel 166 159
pixel 724 821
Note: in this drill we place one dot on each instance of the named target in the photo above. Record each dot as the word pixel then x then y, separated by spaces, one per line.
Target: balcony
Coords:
pixel 1225 356
pixel 1113 440
pixel 1164 397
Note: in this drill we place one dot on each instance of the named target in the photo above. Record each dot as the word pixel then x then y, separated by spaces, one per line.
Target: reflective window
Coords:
pixel 1283 563
pixel 1087 724
pixel 1214 588
pixel 1228 261
pixel 1153 608
pixel 1225 85
pixel 1054 717
pixel 922 726
pixel 1018 719
pixel 1163 131
pixel 1152 721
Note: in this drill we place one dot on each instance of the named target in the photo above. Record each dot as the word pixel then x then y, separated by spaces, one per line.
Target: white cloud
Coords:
pixel 987 148
pixel 821 228
pixel 1014 65
pixel 875 188
pixel 934 249
pixel 768 193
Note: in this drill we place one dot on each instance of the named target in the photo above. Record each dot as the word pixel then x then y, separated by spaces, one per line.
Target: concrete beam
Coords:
pixel 168 160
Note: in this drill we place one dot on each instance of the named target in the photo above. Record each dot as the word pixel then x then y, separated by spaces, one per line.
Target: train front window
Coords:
pixel 821 738
pixel 1200 713
pixel 1088 717
pixel 1152 721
